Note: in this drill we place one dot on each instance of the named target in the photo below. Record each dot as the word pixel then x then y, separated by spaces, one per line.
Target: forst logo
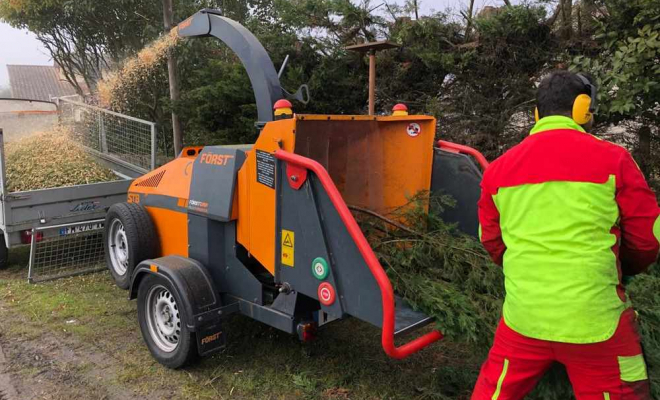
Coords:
pixel 211 338
pixel 86 206
pixel 216 159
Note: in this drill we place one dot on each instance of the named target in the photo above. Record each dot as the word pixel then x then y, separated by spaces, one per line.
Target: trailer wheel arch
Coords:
pixel 190 279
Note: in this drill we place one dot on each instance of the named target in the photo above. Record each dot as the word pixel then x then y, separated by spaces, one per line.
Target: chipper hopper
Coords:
pixel 265 230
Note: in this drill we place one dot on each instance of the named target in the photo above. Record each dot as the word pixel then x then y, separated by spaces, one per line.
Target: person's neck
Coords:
pixel 554 122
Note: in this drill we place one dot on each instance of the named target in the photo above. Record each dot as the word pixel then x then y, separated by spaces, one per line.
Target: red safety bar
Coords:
pixel 459 148
pixel 369 257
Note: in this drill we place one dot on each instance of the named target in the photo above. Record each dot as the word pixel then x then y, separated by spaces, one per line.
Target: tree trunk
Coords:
pixel 468 25
pixel 566 19
pixel 177 135
pixel 643 153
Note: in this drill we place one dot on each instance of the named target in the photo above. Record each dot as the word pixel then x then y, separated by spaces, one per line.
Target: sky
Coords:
pixel 22 47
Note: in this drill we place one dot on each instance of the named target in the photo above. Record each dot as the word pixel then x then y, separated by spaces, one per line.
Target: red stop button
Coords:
pixel 326 294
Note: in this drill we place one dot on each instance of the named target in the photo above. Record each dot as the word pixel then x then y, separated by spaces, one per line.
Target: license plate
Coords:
pixel 70 230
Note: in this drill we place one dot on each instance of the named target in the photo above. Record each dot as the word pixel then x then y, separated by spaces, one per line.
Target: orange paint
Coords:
pixel 256 202
pixel 172 230
pixel 175 182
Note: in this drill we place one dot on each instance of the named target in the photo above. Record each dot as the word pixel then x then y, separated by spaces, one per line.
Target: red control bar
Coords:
pixel 387 293
pixel 459 148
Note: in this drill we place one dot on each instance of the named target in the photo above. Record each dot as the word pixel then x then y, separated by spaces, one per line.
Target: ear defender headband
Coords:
pixel 584 105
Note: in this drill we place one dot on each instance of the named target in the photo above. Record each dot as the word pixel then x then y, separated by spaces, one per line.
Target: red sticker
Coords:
pixel 414 129
pixel 326 294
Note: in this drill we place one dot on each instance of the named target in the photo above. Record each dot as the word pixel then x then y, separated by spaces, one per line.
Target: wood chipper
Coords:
pixel 265 230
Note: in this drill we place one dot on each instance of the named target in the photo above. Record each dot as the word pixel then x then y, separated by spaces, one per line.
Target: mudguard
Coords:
pixel 193 283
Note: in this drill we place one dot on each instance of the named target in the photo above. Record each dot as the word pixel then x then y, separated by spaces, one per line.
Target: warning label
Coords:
pixel 288 246
pixel 266 169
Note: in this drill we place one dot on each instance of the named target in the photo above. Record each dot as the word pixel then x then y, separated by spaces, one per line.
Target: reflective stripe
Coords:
pixel 656 229
pixel 498 390
pixel 606 396
pixel 633 369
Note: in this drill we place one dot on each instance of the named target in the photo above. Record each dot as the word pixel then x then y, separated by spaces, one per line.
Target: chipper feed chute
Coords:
pixel 265 230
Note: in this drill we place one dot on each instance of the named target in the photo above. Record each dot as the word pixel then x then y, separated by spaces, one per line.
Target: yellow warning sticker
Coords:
pixel 288 246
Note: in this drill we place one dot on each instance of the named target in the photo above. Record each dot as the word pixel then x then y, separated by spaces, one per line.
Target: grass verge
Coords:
pixel 346 362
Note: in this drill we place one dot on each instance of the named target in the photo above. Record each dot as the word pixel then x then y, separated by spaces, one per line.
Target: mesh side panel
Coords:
pixel 120 136
pixel 66 250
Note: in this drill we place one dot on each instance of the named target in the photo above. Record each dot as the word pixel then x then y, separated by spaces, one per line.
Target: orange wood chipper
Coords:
pixel 264 230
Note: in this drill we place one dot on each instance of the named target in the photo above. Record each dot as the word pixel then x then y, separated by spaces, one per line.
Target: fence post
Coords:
pixel 33 241
pixel 153 146
pixel 102 135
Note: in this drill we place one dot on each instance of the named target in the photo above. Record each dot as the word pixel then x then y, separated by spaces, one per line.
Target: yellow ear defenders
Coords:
pixel 584 105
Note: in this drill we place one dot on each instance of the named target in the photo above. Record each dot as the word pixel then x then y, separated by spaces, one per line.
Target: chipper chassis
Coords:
pixel 264 230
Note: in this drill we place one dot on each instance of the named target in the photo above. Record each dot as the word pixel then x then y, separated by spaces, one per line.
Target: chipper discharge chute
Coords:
pixel 265 230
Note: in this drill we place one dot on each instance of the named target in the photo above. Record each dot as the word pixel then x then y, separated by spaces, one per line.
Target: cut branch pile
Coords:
pixel 51 159
pixel 449 276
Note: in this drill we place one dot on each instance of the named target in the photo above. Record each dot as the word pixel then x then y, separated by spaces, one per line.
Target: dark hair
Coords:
pixel 557 92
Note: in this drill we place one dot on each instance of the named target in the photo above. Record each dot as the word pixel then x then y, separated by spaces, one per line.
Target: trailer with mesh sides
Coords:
pixel 64 225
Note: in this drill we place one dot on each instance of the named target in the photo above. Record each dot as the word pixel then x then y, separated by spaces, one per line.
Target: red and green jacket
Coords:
pixel 567 215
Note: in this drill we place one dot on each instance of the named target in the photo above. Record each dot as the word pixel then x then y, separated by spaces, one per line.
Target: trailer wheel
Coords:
pixel 4 252
pixel 129 238
pixel 162 322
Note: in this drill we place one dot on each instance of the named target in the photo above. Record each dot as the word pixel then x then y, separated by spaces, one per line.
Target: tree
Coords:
pixel 626 67
pixel 177 135
pixel 85 37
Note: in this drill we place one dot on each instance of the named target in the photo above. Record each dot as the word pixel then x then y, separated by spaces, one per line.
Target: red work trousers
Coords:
pixel 609 370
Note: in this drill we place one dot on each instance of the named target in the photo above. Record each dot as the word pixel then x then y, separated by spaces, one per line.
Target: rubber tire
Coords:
pixel 4 252
pixel 140 235
pixel 186 351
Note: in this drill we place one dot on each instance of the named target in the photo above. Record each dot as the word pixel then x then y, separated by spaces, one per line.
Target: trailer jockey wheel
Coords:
pixel 4 252
pixel 162 322
pixel 129 237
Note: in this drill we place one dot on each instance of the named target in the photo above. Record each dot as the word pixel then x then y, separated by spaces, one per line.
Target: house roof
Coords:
pixel 37 82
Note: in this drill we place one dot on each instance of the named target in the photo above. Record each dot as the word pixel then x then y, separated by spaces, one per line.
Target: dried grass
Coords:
pixel 51 159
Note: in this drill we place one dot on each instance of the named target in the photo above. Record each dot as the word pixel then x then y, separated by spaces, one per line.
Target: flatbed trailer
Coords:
pixel 24 214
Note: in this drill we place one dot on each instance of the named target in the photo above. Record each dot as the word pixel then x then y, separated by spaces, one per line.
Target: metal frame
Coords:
pixel 103 153
pixel 34 243
pixel 387 293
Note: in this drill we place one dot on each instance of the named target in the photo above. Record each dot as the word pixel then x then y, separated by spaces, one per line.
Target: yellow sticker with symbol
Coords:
pixel 288 246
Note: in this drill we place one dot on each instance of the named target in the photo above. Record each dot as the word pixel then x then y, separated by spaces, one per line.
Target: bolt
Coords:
pixel 294 178
pixel 199 319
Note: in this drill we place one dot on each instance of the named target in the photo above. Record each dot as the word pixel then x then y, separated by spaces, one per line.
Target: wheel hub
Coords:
pixel 163 318
pixel 118 245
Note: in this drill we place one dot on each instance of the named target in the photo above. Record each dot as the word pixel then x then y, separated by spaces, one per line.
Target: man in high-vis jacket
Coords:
pixel 567 216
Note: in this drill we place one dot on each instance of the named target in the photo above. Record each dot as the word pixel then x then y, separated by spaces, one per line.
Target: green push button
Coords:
pixel 320 268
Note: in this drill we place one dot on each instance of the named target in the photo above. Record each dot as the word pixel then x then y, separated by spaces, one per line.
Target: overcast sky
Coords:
pixel 21 47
